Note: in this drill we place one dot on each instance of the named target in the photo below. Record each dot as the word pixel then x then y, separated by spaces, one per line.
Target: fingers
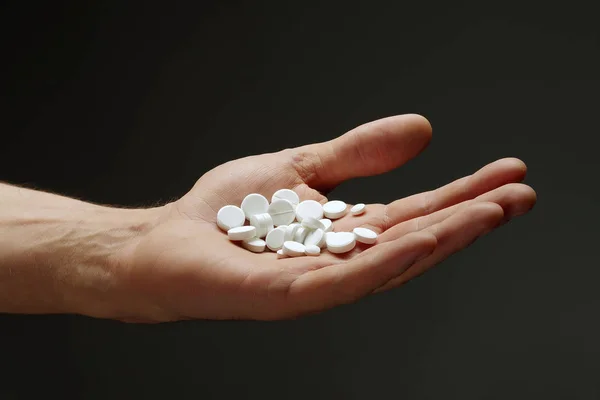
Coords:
pixel 453 234
pixel 515 199
pixel 370 149
pixel 347 282
pixel 496 174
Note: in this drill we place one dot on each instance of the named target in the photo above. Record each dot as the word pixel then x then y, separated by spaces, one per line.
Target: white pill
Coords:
pixel 316 237
pixel 327 234
pixel 282 212
pixel 241 233
pixel 254 204
pixel 300 234
pixel 286 194
pixel 334 209
pixel 275 239
pixel 255 245
pixel 230 217
pixel 311 223
pixel 309 208
pixel 312 250
pixel 263 224
pixel 293 249
pixel 358 209
pixel 341 242
pixel 290 231
pixel 365 235
pixel 327 224
pixel 280 254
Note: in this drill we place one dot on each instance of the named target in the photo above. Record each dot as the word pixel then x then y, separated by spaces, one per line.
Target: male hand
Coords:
pixel 186 268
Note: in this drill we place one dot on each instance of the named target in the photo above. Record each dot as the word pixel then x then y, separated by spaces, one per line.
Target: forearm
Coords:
pixel 61 255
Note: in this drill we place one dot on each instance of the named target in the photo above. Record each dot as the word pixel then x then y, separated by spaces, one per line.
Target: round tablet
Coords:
pixel 286 194
pixel 312 250
pixel 316 237
pixel 293 249
pixel 300 234
pixel 309 208
pixel 358 209
pixel 327 224
pixel 255 245
pixel 334 209
pixel 263 224
pixel 311 223
pixel 282 212
pixel 365 235
pixel 242 233
pixel 275 239
pixel 290 231
pixel 254 204
pixel 341 242
pixel 230 217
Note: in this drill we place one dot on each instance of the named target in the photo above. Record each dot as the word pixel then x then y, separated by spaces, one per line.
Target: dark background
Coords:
pixel 130 104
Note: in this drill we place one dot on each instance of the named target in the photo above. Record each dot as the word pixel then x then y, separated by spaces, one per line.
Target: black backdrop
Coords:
pixel 130 104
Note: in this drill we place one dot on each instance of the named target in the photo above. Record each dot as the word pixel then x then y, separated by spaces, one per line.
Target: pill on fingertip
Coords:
pixel 286 194
pixel 334 209
pixel 312 250
pixel 254 204
pixel 282 212
pixel 312 223
pixel 293 249
pixel 241 233
pixel 230 217
pixel 309 208
pixel 358 209
pixel 255 245
pixel 275 239
pixel 327 224
pixel 340 242
pixel 365 235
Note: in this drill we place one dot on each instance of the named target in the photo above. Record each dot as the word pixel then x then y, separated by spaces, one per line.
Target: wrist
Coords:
pixel 68 260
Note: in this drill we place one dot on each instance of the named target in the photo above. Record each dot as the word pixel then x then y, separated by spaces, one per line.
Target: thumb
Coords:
pixel 370 149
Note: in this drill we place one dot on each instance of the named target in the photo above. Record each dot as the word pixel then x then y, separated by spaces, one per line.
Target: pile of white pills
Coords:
pixel 290 227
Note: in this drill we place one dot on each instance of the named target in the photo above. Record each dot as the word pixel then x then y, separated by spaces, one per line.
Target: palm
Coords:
pixel 196 272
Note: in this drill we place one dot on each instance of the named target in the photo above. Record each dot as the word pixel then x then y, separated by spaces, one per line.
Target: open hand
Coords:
pixel 186 268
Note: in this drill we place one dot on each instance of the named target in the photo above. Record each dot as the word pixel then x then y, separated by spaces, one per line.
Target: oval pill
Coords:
pixel 365 235
pixel 254 204
pixel 312 250
pixel 241 233
pixel 293 249
pixel 230 217
pixel 286 194
pixel 255 245
pixel 282 212
pixel 334 209
pixel 358 209
pixel 309 208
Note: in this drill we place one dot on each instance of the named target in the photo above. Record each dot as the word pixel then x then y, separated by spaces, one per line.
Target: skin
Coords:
pixel 172 262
